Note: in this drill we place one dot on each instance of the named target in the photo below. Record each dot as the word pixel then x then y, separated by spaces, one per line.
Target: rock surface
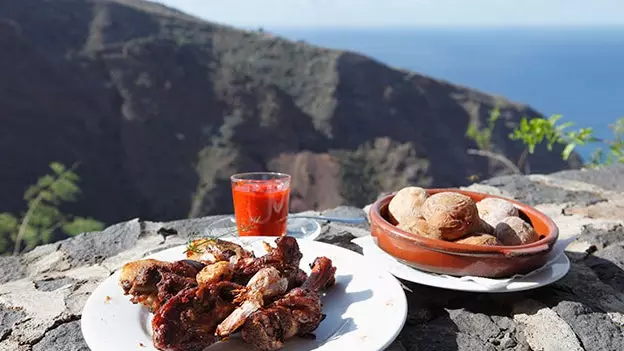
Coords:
pixel 43 291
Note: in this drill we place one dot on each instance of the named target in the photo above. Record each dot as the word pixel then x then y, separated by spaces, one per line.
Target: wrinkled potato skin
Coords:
pixel 452 214
pixel 406 204
pixel 513 231
pixel 493 210
pixel 480 239
pixel 418 226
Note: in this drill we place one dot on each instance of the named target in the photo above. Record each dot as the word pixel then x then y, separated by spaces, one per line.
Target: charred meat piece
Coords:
pixel 294 275
pixel 151 282
pixel 209 250
pixel 297 313
pixel 284 256
pixel 265 284
pixel 188 320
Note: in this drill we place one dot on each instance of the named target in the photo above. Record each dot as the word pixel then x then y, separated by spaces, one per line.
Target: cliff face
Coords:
pixel 160 108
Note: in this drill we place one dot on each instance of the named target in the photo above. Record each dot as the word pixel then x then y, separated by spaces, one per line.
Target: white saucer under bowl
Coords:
pixel 558 266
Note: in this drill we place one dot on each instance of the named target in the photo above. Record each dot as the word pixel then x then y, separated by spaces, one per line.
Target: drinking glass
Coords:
pixel 261 201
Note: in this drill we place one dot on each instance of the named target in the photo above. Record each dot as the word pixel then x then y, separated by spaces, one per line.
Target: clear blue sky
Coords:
pixel 384 13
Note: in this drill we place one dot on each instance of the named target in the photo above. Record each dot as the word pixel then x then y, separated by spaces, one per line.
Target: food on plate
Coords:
pixel 264 285
pixel 479 239
pixel 515 231
pixel 152 282
pixel 299 312
pixel 406 203
pixel 215 272
pixel 453 215
pixel 211 250
pixel 189 319
pixel 225 289
pixel 493 210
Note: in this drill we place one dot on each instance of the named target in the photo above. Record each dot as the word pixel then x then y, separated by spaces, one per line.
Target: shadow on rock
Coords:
pixel 578 312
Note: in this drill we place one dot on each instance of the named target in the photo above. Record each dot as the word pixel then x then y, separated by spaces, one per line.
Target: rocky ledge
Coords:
pixel 43 291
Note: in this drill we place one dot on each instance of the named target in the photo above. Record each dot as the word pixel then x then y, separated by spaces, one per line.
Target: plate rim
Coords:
pixel 401 298
pixel 562 259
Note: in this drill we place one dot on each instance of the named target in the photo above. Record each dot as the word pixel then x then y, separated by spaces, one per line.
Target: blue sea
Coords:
pixel 576 72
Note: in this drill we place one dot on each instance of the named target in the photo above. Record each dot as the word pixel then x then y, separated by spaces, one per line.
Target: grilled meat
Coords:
pixel 297 313
pixel 151 282
pixel 187 322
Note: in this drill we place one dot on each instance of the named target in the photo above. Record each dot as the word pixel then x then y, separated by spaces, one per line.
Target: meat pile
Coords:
pixel 222 289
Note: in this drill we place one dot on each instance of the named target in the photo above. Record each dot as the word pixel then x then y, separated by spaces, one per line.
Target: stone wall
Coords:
pixel 42 292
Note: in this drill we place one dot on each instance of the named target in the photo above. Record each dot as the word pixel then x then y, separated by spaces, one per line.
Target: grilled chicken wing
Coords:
pixel 297 313
pixel 151 282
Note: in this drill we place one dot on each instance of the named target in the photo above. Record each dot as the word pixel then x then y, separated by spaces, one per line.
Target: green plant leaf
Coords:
pixel 563 126
pixel 567 151
pixel 8 223
pixel 57 167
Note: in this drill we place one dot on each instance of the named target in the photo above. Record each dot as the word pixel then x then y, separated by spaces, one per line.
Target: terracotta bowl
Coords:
pixel 446 257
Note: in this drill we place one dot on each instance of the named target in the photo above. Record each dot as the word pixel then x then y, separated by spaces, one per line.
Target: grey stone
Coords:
pixel 601 237
pixel 65 337
pixel 581 284
pixel 533 193
pixel 8 318
pixel 94 247
pixel 596 331
pixel 608 264
pixel 339 237
pixel 419 310
pixel 543 328
pixel 477 324
pixel 467 342
pixel 348 212
pixel 51 284
pixel 608 178
pixel 11 268
pixel 504 323
pixel 439 334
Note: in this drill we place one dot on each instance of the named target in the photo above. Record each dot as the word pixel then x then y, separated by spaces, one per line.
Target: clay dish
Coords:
pixel 446 257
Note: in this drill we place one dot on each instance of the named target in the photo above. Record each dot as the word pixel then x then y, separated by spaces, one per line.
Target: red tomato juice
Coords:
pixel 261 209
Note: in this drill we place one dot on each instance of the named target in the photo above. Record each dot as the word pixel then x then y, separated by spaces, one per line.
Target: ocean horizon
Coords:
pixel 577 72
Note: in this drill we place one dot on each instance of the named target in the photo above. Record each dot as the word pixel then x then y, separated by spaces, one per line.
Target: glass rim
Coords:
pixel 243 176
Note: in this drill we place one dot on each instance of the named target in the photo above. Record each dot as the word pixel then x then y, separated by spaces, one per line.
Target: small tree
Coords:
pixel 536 131
pixel 43 216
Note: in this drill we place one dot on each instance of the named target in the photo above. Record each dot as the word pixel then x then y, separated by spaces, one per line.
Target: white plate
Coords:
pixel 549 273
pixel 366 309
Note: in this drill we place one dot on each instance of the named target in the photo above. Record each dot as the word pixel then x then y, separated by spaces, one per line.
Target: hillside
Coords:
pixel 160 108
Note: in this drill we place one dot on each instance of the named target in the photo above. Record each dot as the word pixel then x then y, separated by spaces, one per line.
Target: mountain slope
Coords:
pixel 159 108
